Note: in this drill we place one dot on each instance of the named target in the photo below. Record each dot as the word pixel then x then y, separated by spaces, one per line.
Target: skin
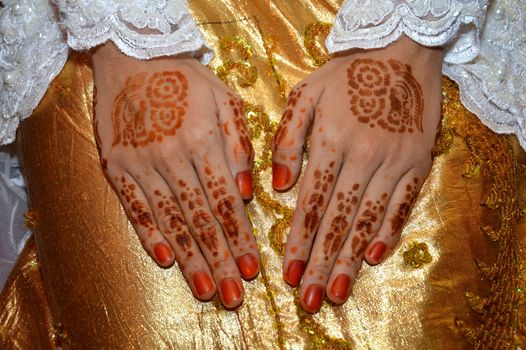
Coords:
pixel 174 145
pixel 374 117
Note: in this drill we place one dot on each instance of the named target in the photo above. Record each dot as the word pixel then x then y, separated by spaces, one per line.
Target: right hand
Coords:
pixel 174 145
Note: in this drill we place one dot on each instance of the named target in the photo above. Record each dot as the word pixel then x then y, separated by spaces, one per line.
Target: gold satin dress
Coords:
pixel 455 281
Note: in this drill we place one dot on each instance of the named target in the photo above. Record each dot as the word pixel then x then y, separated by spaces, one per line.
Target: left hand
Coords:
pixel 374 116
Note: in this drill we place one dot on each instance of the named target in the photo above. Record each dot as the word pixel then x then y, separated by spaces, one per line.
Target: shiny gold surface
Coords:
pixel 101 290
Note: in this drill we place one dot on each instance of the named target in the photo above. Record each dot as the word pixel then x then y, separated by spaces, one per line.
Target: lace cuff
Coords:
pixel 140 28
pixel 371 24
pixel 32 52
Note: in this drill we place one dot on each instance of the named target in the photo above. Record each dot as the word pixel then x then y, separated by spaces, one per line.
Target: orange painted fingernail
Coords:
pixel 280 175
pixel 244 183
pixel 163 253
pixel 230 291
pixel 313 298
pixel 340 286
pixel 377 251
pixel 202 282
pixel 248 266
pixel 295 272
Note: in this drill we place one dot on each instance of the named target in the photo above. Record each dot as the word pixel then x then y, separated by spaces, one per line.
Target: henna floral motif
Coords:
pixel 149 108
pixel 398 221
pixel 386 95
pixel 283 126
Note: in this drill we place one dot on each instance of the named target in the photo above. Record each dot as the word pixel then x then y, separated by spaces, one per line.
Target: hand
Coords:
pixel 174 145
pixel 374 117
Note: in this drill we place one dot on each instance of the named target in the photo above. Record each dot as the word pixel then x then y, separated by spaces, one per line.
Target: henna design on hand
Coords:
pixel 241 127
pixel 175 223
pixel 201 219
pixel 364 225
pixel 398 221
pixel 340 223
pixel 316 201
pixel 149 108
pixel 136 209
pixel 283 126
pixel 225 205
pixel 386 95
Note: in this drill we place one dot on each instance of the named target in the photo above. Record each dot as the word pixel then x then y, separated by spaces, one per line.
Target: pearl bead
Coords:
pixel 18 9
pixel 499 13
pixel 9 78
pixel 500 72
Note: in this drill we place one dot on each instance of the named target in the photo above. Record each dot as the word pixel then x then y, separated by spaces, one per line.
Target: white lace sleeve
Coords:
pixel 32 52
pixel 140 28
pixel 485 47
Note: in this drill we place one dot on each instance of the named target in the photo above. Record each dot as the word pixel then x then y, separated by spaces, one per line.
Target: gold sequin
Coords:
pixel 417 254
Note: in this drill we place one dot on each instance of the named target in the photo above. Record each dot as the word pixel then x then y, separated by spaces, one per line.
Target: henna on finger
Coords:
pixel 244 146
pixel 283 127
pixel 366 225
pixel 399 219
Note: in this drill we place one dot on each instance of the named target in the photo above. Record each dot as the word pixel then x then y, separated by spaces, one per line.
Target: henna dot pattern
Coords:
pixel 149 108
pixel 340 223
pixel 385 95
pixel 315 203
pixel 368 219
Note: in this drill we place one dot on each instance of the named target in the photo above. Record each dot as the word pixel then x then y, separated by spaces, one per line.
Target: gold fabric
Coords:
pixel 454 282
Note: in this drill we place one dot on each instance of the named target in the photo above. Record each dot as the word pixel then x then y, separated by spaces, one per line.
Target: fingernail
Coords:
pixel 377 251
pixel 202 282
pixel 313 298
pixel 340 286
pixel 280 175
pixel 295 272
pixel 230 291
pixel 248 266
pixel 244 183
pixel 163 253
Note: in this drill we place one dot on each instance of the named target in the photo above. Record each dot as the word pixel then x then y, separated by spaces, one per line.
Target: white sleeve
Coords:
pixel 485 47
pixel 35 36
pixel 32 52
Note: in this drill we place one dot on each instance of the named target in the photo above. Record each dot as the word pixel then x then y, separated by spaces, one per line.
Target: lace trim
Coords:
pixel 127 22
pixel 371 24
pixel 32 53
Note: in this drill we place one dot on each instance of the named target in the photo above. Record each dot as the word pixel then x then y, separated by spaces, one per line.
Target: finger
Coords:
pixel 333 231
pixel 206 231
pixel 316 189
pixel 141 217
pixel 290 136
pixel 238 149
pixel 397 212
pixel 173 226
pixel 229 209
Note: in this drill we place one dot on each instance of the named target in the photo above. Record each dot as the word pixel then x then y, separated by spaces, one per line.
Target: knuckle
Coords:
pixel 365 150
pixel 320 269
pixel 171 223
